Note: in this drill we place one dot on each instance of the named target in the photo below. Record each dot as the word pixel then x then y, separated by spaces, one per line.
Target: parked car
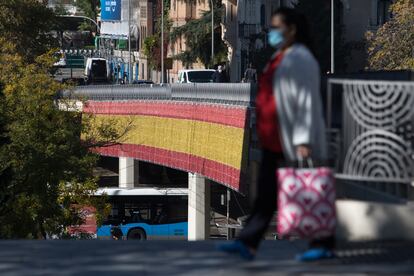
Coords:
pixel 195 76
pixel 143 82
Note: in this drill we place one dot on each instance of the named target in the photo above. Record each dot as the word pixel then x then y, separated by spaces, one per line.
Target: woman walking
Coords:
pixel 290 125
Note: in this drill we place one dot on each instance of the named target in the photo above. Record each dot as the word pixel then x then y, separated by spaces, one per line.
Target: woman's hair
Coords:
pixel 293 18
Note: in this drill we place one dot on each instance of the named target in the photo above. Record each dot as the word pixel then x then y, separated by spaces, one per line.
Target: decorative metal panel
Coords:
pixel 377 130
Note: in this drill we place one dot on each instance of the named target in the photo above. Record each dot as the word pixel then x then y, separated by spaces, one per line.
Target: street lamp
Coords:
pixel 83 17
pixel 129 42
pixel 212 32
pixel 162 41
pixel 332 37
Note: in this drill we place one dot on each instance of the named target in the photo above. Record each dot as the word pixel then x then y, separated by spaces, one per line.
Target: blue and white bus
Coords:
pixel 146 214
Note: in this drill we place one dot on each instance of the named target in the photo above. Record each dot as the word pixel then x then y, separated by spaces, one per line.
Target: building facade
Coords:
pixel 358 18
pixel 246 22
pixel 146 14
pixel 182 12
pixel 244 27
pixel 68 5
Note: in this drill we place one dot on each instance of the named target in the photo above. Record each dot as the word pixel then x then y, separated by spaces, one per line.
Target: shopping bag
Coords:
pixel 306 203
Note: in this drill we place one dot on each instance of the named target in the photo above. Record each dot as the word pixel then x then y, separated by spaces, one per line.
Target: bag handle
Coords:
pixel 308 160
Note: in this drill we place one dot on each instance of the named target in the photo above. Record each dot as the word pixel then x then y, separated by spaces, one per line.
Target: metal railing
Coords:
pixel 224 93
pixel 371 125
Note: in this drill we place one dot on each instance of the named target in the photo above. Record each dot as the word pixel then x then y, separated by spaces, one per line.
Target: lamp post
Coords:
pixel 162 41
pixel 332 37
pixel 212 32
pixel 83 17
pixel 87 18
pixel 129 42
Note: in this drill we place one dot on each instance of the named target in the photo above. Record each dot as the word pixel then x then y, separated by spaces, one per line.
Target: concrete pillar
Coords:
pixel 128 172
pixel 198 207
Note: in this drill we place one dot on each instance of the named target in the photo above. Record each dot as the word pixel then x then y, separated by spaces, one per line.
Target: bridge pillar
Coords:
pixel 198 207
pixel 128 172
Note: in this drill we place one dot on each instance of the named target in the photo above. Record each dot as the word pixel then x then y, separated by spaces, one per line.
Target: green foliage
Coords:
pixel 46 170
pixel 90 9
pixel 27 24
pixel 391 47
pixel 198 44
pixel 151 49
pixel 318 13
pixel 152 44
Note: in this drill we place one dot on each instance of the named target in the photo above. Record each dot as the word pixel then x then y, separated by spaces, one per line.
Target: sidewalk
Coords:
pixel 195 258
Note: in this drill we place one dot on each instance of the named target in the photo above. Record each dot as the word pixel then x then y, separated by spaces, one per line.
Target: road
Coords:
pixel 194 258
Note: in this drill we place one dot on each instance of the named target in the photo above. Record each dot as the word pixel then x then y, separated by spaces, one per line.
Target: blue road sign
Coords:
pixel 110 10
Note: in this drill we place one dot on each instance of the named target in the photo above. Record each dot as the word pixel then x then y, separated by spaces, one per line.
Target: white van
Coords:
pixel 97 70
pixel 195 75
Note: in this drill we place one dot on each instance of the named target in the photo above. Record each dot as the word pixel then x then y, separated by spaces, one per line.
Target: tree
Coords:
pixel 152 44
pixel 318 13
pixel 91 9
pixel 200 39
pixel 391 47
pixel 46 169
pixel 28 24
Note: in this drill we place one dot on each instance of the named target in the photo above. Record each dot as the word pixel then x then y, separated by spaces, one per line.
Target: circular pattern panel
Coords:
pixel 379 154
pixel 379 105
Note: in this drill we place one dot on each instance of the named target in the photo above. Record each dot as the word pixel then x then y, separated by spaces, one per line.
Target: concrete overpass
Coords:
pixel 192 127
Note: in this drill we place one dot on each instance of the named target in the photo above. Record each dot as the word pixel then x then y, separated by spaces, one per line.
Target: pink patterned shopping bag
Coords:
pixel 306 203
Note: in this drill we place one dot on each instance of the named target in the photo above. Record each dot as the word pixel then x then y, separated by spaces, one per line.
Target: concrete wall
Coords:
pixel 364 221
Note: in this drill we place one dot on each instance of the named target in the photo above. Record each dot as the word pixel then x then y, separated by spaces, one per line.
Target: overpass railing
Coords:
pixel 225 93
pixel 371 124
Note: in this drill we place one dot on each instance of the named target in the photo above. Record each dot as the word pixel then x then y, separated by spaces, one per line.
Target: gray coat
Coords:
pixel 296 87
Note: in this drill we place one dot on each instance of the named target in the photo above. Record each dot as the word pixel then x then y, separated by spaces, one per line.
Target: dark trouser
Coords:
pixel 265 205
pixel 265 202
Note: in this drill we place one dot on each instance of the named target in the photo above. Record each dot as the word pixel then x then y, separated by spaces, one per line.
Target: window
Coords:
pixel 383 11
pixel 200 76
pixel 231 13
pixel 141 37
pixel 262 16
pixel 251 9
pixel 143 12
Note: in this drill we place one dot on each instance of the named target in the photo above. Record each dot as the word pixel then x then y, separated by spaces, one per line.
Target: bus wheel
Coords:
pixel 137 234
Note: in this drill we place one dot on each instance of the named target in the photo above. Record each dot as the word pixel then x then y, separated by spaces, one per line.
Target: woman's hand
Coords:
pixel 303 151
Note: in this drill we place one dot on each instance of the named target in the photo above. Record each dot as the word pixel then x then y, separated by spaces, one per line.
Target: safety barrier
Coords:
pixel 372 126
pixel 226 93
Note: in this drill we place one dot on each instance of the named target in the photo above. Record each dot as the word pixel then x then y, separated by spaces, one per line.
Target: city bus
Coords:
pixel 146 214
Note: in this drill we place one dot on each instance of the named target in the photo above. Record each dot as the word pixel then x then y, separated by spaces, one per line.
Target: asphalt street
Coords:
pixel 94 257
